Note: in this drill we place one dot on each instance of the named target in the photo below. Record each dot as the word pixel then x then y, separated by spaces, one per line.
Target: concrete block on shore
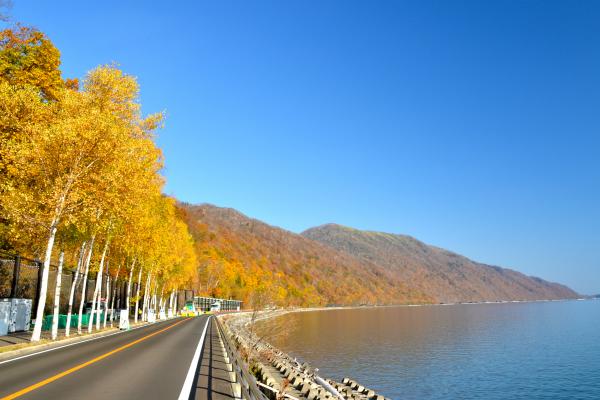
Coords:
pixel 237 390
pixel 305 388
pixel 300 384
pixel 267 378
pixel 296 380
pixel 312 394
pixel 346 380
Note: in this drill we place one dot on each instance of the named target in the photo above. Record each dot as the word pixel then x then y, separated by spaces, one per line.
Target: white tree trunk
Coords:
pixel 153 300
pixel 176 305
pixel 144 300
pixel 97 290
pixel 107 299
pixel 84 283
pixel 149 294
pixel 73 285
pixel 61 259
pixel 160 300
pixel 137 296
pixel 39 315
pixel 112 299
pixel 129 287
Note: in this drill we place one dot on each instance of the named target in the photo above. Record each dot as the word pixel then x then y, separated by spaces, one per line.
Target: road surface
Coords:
pixel 151 362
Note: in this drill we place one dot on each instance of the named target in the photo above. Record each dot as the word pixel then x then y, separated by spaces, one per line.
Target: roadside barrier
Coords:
pixel 244 384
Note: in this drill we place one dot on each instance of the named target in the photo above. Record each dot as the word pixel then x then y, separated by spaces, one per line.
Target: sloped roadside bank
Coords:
pixel 279 375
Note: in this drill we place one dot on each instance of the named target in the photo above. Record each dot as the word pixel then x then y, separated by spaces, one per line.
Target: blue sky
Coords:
pixel 474 126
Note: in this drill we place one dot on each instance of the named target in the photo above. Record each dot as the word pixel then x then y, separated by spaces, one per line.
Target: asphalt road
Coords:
pixel 147 363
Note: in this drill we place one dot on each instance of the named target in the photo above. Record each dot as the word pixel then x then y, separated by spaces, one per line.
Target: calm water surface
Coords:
pixel 547 350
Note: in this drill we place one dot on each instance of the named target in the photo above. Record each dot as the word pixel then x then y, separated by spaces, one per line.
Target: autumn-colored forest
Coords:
pixel 246 259
pixel 331 264
pixel 80 182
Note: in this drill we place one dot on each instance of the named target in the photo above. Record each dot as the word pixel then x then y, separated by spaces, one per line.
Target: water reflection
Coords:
pixel 491 351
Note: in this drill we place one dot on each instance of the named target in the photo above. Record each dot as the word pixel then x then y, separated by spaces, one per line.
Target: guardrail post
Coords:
pixel 15 280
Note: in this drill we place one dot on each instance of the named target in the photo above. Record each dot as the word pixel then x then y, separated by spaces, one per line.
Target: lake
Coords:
pixel 540 350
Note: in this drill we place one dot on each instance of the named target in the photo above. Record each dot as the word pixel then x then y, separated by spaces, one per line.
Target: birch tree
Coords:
pixel 74 286
pixel 84 156
pixel 61 259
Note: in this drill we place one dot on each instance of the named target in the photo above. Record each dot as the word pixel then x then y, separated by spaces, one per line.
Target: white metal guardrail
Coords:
pixel 245 384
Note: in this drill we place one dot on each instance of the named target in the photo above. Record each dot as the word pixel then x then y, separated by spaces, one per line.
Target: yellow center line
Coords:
pixel 85 364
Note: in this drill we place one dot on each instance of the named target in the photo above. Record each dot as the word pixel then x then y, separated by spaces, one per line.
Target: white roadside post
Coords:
pixel 151 316
pixel 124 320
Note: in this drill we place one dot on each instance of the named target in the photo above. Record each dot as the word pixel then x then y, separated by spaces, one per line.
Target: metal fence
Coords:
pixel 6 276
pixel 20 277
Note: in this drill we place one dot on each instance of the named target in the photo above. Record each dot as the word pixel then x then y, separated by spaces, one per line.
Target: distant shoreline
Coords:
pixel 268 314
pixel 277 312
pixel 439 304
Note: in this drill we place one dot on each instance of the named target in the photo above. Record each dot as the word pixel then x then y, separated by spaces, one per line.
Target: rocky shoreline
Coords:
pixel 281 376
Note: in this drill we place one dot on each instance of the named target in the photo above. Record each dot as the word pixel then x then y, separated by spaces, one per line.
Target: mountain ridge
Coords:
pixel 249 256
pixel 411 258
pixel 333 264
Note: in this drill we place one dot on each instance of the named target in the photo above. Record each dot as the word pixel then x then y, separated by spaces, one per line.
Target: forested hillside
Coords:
pixel 336 265
pixel 242 257
pixel 447 276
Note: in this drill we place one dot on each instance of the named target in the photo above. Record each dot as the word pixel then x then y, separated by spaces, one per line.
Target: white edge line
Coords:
pixel 186 390
pixel 72 344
